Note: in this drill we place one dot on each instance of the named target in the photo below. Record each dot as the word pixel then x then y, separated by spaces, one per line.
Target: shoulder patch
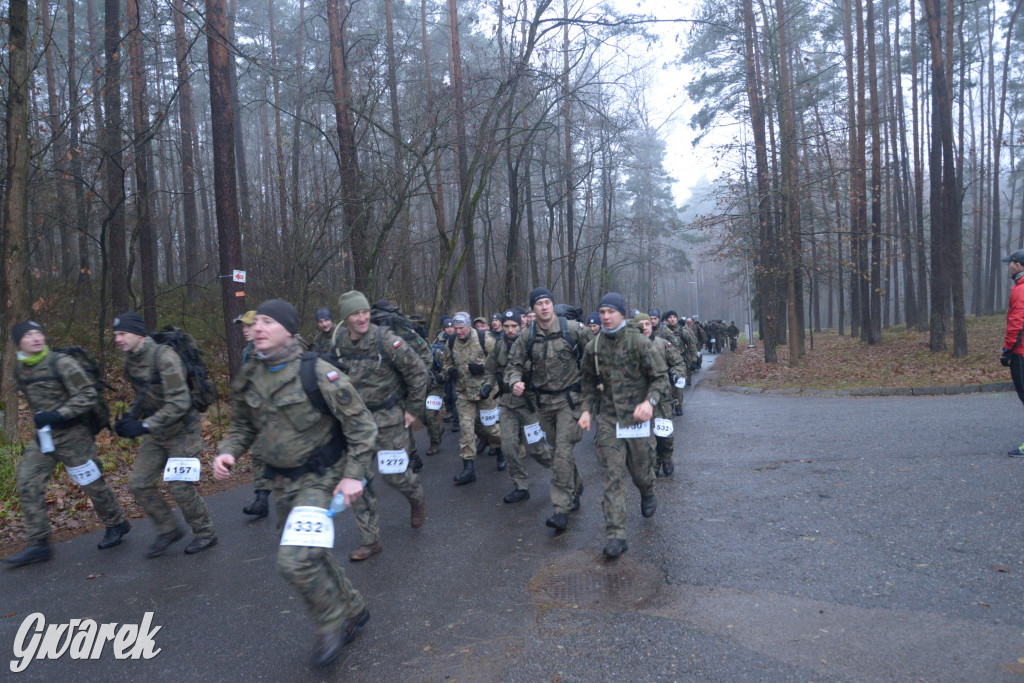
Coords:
pixel 344 397
pixel 332 375
pixel 396 343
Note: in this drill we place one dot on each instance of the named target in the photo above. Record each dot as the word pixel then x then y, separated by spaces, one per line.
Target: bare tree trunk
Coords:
pixel 236 113
pixel 228 232
pixel 188 133
pixel 790 201
pixel 570 186
pixel 356 213
pixel 15 263
pixel 112 159
pixel 282 193
pixel 147 256
pixel 875 330
pixel 84 280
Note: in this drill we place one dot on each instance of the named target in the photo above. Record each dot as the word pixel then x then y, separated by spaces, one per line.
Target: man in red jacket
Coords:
pixel 1013 348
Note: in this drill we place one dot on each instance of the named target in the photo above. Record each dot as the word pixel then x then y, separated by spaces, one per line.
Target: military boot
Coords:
pixel 502 463
pixel 678 410
pixel 614 547
pixel 558 521
pixel 668 468
pixel 517 495
pixel 259 507
pixel 416 461
pixel 163 542
pixel 648 505
pixel 468 475
pixel 36 552
pixel 434 449
pixel 114 535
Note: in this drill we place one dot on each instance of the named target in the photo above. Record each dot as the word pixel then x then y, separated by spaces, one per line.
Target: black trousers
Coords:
pixel 1017 373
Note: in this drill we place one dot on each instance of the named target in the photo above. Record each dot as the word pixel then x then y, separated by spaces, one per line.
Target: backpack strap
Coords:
pixel 481 336
pixel 307 373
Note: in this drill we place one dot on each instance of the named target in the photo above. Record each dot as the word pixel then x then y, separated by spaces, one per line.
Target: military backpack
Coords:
pixel 200 386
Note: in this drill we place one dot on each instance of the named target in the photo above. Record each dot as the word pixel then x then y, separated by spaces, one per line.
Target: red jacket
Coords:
pixel 1015 319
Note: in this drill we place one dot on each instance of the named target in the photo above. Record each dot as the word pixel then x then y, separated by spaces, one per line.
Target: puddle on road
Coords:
pixel 580 580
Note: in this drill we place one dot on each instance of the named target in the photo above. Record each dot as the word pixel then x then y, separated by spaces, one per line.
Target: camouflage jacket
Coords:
pixel 673 359
pixel 387 373
pixel 322 340
pixel 166 406
pixel 629 369
pixel 460 354
pixel 668 334
pixel 687 343
pixel 274 406
pixel 551 372
pixel 700 333
pixel 495 366
pixel 58 384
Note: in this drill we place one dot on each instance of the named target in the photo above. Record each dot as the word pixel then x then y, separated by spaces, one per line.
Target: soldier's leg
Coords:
pixel 466 412
pixel 639 458
pixel 144 483
pixel 490 432
pixel 33 472
pixel 366 511
pixel 664 444
pixel 511 429
pixel 407 483
pixel 564 475
pixel 433 425
pixel 314 572
pixel 411 448
pixel 611 453
pixel 193 508
pixel 260 481
pixel 99 492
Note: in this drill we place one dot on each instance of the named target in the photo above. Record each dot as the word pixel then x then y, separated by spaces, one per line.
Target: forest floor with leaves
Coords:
pixel 901 360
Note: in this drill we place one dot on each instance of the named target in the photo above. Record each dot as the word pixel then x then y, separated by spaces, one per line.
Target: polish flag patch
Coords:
pixel 332 375
pixel 398 342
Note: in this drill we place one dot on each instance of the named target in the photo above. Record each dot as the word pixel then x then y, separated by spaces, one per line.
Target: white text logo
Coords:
pixel 81 639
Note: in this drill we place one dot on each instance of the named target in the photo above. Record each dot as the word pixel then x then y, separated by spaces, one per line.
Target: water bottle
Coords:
pixel 338 503
pixel 45 439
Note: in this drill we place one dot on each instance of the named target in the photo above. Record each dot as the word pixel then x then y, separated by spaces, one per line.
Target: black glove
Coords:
pixel 485 391
pixel 453 374
pixel 476 369
pixel 672 378
pixel 130 428
pixel 52 418
pixel 438 378
pixel 1004 358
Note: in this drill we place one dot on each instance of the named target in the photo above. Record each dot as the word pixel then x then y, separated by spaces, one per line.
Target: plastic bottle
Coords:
pixel 45 439
pixel 338 503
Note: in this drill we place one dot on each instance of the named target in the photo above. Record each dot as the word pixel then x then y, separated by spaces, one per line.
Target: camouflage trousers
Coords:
pixel 621 458
pixel 664 445
pixel 514 446
pixel 315 574
pixel 560 423
pixel 144 482
pixel 469 412
pixel 366 508
pixel 260 481
pixel 432 420
pixel 34 471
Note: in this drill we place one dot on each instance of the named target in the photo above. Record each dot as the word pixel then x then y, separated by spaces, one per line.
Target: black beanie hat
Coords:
pixel 323 314
pixel 654 312
pixel 540 293
pixel 21 329
pixel 669 314
pixel 130 322
pixel 281 311
pixel 613 300
pixel 512 314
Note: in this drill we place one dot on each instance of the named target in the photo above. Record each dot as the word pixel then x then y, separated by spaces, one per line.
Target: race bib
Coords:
pixel 308 526
pixel 663 427
pixel 641 430
pixel 681 383
pixel 533 433
pixel 434 402
pixel 84 474
pixel 713 340
pixel 489 417
pixel 181 469
pixel 392 462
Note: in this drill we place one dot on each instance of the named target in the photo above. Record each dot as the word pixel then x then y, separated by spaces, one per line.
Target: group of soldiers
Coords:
pixel 316 416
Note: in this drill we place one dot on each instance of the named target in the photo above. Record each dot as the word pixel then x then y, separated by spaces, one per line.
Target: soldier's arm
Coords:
pixel 675 360
pixel 492 368
pixel 243 431
pixel 515 369
pixel 413 373
pixel 82 393
pixel 657 372
pixel 177 398
pixel 356 420
pixel 590 378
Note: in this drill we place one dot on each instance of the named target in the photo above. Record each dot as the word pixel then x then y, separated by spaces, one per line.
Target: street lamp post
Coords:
pixel 696 298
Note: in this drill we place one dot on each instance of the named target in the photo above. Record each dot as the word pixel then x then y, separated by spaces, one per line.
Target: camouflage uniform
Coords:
pixel 390 379
pixel 59 384
pixel 460 354
pixel 664 445
pixel 628 371
pixel 552 375
pixel 166 409
pixel 274 405
pixel 260 482
pixel 322 340
pixel 429 418
pixel 516 413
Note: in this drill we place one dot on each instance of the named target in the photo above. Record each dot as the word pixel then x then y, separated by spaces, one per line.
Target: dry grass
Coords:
pixel 901 360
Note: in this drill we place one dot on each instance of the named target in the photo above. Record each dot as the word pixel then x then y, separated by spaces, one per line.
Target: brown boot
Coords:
pixel 418 515
pixel 434 449
pixel 365 552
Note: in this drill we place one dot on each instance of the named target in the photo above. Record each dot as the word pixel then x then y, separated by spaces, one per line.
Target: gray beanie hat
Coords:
pixel 352 302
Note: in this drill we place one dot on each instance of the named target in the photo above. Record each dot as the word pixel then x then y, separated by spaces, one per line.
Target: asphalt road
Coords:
pixel 800 539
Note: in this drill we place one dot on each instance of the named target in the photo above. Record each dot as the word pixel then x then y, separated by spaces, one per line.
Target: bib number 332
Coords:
pixel 308 526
